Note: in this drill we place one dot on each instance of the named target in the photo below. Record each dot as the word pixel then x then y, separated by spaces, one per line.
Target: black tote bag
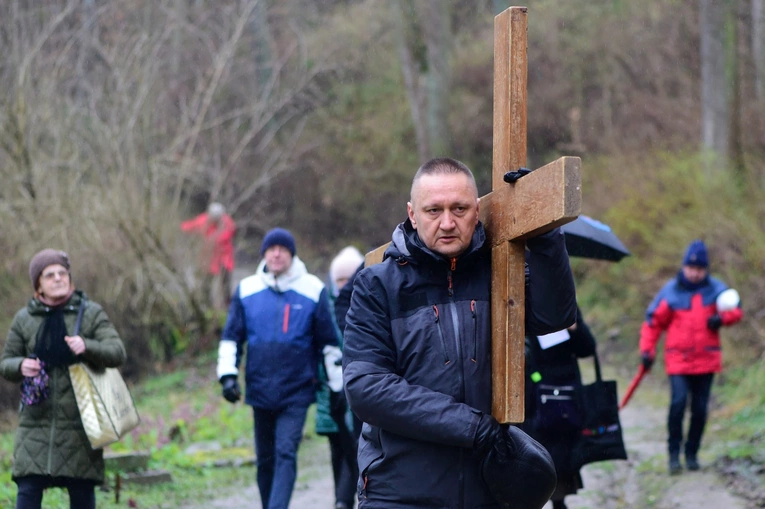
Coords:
pixel 601 436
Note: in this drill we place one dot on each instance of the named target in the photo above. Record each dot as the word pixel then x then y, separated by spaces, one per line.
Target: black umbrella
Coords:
pixel 589 238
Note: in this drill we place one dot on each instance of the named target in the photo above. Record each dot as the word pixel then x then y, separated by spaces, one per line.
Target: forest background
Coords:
pixel 118 120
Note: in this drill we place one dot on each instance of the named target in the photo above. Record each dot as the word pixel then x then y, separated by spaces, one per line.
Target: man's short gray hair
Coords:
pixel 442 166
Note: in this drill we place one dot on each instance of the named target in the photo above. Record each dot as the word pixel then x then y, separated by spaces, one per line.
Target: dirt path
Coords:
pixel 641 482
pixel 314 488
pixel 313 494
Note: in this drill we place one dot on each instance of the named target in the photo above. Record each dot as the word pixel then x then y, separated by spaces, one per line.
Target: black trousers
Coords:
pixel 699 388
pixel 82 493
pixel 345 470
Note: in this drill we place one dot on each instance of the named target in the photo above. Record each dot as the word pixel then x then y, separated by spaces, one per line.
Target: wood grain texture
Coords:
pixel 509 153
pixel 546 198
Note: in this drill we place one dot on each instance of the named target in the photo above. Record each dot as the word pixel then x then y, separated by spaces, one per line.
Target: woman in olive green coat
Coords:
pixel 51 447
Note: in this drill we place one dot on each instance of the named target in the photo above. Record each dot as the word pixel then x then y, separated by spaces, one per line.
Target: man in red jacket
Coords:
pixel 218 229
pixel 691 310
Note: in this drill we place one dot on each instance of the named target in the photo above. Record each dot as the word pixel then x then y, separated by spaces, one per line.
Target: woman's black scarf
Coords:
pixel 50 346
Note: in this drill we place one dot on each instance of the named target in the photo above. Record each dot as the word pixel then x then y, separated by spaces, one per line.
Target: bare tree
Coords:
pixel 115 122
pixel 715 90
pixel 424 46
pixel 758 46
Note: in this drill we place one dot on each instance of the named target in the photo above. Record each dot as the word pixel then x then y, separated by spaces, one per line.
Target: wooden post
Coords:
pixel 507 258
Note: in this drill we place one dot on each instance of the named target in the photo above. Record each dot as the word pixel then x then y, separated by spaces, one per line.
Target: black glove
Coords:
pixel 511 177
pixel 518 471
pixel 714 322
pixel 337 405
pixel 646 360
pixel 486 434
pixel 231 388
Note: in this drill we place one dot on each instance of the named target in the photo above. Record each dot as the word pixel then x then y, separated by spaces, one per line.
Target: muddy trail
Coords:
pixel 641 482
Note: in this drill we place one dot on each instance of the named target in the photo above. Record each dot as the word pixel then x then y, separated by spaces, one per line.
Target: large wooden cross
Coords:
pixel 542 200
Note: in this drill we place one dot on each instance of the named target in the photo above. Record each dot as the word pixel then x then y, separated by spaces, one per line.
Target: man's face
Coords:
pixel 54 282
pixel 694 274
pixel 444 211
pixel 278 259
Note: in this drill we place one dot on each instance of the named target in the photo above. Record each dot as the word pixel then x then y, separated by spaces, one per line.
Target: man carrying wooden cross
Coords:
pixel 417 360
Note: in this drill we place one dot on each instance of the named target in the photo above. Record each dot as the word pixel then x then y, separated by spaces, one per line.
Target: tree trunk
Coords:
pixel 435 19
pixel 263 54
pixel 736 142
pixel 714 89
pixel 758 47
pixel 424 46
pixel 411 75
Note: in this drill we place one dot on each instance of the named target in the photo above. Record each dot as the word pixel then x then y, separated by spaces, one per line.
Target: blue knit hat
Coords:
pixel 278 237
pixel 696 254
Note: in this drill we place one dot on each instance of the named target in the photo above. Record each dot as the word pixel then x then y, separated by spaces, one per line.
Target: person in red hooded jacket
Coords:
pixel 687 309
pixel 218 229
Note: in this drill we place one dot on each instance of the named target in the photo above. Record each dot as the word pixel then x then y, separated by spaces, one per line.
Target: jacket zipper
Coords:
pixel 452 268
pixel 441 334
pixel 456 326
pixel 286 323
pixel 460 376
pixel 475 331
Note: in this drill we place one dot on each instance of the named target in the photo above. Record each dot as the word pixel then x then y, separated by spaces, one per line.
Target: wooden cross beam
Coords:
pixel 546 198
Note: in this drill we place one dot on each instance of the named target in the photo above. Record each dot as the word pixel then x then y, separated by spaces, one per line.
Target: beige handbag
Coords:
pixel 106 407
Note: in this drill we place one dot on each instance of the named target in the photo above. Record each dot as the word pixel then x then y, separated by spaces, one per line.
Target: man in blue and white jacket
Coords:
pixel 281 318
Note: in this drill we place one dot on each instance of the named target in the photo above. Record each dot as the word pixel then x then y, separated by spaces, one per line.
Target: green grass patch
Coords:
pixel 743 415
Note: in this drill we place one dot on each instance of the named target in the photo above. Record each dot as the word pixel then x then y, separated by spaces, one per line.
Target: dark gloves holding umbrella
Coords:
pixel 646 363
pixel 231 390
pixel 646 360
pixel 518 471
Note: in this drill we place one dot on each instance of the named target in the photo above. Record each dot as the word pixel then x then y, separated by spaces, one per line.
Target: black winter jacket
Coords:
pixel 417 365
pixel 557 365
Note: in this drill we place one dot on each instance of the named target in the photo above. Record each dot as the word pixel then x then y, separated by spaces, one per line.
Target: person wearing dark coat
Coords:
pixel 51 448
pixel 333 419
pixel 343 299
pixel 342 304
pixel 551 362
pixel 417 358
